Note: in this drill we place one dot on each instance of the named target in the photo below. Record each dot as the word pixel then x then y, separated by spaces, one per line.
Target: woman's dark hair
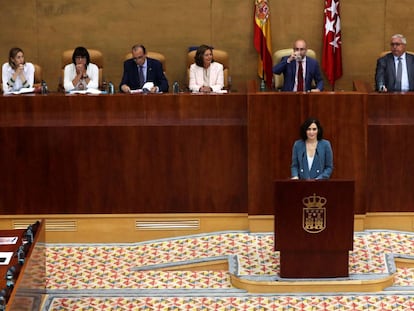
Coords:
pixel 304 127
pixel 198 58
pixel 12 54
pixel 81 51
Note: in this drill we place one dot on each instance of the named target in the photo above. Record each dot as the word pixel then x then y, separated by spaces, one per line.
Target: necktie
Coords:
pixel 300 77
pixel 399 75
pixel 141 77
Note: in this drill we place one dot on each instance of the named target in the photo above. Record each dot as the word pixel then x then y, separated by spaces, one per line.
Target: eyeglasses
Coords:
pixel 299 49
pixel 80 57
pixel 139 57
pixel 396 44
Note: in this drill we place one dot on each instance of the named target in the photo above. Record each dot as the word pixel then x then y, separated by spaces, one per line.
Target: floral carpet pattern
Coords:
pixel 110 276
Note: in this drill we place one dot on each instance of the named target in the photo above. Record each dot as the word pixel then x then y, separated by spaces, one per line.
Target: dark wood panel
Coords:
pixel 273 125
pixel 274 121
pixel 390 152
pixel 123 154
pixel 390 168
pixel 392 108
pixel 121 109
pixel 193 153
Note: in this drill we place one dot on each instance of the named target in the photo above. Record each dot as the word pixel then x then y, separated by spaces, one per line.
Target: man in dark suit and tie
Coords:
pixel 299 71
pixel 141 69
pixel 395 70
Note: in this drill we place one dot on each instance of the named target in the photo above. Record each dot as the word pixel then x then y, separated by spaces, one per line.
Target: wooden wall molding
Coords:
pixel 118 228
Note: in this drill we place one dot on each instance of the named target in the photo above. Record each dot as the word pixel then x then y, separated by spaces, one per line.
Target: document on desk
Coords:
pixel 145 89
pixel 24 90
pixel 214 92
pixel 8 240
pixel 5 258
pixel 87 91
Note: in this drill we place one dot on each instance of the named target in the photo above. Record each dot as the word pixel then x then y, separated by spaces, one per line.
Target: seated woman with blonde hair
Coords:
pixel 206 75
pixel 16 73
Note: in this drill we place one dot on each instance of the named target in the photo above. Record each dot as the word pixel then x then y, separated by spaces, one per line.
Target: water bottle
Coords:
pixel 44 89
pixel 111 88
pixel 176 88
pixel 262 85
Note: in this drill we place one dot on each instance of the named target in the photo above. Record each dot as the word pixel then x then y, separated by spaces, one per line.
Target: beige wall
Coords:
pixel 44 28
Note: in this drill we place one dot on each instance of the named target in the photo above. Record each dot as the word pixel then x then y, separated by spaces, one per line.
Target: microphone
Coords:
pixel 12 274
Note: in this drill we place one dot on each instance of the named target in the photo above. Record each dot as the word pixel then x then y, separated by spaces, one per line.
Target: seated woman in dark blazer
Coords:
pixel 312 156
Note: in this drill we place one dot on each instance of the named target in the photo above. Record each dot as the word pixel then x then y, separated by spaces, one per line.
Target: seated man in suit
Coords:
pixel 141 69
pixel 299 71
pixel 389 76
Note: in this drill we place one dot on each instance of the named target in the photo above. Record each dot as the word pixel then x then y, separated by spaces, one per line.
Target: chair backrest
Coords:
pixel 219 56
pixel 37 74
pixel 155 55
pixel 386 52
pixel 362 86
pixel 277 56
pixel 95 56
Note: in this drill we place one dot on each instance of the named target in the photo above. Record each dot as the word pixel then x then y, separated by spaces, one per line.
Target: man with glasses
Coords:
pixel 395 70
pixel 141 69
pixel 299 71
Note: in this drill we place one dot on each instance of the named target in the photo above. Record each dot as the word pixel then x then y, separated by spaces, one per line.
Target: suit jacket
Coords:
pixel 385 73
pixel 322 165
pixel 289 73
pixel 155 74
pixel 197 78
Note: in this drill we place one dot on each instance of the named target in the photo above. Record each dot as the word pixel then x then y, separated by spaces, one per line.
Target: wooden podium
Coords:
pixel 314 222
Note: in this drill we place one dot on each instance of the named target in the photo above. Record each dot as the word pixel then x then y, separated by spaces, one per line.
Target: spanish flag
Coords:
pixel 262 40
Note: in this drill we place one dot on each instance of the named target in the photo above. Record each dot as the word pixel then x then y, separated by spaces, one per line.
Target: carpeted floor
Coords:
pixel 113 277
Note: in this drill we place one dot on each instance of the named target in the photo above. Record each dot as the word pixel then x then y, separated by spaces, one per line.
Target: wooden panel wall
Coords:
pixel 44 28
pixel 193 153
pixel 123 154
pixel 390 152
pixel 274 121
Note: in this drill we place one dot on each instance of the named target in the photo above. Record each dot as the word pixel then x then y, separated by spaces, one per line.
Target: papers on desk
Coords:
pixel 145 89
pixel 87 91
pixel 216 92
pixel 8 240
pixel 24 90
pixel 5 258
pixel 136 91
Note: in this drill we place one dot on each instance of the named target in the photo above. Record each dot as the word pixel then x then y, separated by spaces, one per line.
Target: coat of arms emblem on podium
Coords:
pixel 314 214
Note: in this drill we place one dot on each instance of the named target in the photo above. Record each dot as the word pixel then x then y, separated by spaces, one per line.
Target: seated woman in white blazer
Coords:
pixel 206 75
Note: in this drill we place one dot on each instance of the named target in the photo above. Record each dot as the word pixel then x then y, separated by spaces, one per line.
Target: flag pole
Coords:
pixel 333 73
pixel 262 82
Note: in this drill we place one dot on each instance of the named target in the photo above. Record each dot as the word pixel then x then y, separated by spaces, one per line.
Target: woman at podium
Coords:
pixel 312 156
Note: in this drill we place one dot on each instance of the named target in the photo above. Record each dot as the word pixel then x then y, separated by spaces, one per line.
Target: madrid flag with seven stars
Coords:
pixel 332 43
pixel 262 40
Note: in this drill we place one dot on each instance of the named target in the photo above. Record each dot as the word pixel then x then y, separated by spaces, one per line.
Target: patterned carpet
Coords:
pixel 109 277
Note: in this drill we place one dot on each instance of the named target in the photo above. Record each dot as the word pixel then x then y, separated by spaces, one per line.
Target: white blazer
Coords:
pixel 7 73
pixel 70 73
pixel 216 77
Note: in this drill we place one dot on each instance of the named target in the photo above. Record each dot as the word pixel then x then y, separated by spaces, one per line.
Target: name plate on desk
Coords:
pixel 8 240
